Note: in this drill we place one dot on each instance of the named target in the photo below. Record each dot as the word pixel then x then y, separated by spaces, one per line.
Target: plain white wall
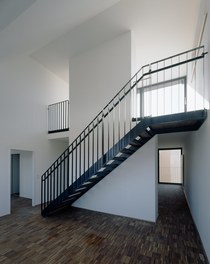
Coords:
pixel 95 78
pixel 173 140
pixel 26 174
pixel 198 154
pixel 129 190
pixel 26 88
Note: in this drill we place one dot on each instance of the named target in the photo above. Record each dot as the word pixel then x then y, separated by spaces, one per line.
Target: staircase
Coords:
pixel 124 125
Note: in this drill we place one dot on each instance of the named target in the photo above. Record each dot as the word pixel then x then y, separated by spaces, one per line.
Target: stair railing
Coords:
pixel 160 88
pixel 58 117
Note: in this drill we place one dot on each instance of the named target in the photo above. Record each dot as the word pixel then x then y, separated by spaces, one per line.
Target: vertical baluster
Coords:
pixel 76 165
pixel 68 114
pixel 48 117
pixel 136 100
pixel 113 123
pixel 50 183
pixel 42 193
pixel 150 90
pixel 97 140
pixel 68 154
pixel 60 174
pixel 119 145
pixel 53 168
pixel 54 118
pixel 51 118
pixel 204 84
pixel 93 145
pixel 63 115
pixel 179 86
pixel 125 110
pixel 64 172
pixel 88 154
pixel 157 92
pixel 44 190
pixel 142 98
pixel 84 152
pixel 57 186
pixel 108 135
pixel 59 116
pixel 72 165
pixel 56 121
pixel 80 159
pixel 102 135
pixel 47 188
pixel 195 89
pixel 130 105
pixel 171 88
pixel 164 103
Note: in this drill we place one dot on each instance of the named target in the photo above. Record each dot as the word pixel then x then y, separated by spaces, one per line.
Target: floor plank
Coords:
pixel 80 236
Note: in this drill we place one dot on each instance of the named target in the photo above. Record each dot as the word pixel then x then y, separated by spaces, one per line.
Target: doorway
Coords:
pixel 170 163
pixel 21 176
pixel 15 174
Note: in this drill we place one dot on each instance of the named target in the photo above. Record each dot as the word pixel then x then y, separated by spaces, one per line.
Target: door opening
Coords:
pixel 21 177
pixel 170 163
pixel 15 174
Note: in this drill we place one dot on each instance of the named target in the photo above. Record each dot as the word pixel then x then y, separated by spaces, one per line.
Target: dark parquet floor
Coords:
pixel 84 237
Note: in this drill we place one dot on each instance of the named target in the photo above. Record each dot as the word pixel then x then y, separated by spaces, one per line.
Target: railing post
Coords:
pixel 102 135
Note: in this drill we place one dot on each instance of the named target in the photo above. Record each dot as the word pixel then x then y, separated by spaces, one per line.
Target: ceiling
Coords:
pixel 28 25
pixel 53 31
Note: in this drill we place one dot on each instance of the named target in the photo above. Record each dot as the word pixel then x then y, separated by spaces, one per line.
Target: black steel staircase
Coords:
pixel 122 127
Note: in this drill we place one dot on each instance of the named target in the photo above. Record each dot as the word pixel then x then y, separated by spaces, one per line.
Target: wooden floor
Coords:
pixel 84 237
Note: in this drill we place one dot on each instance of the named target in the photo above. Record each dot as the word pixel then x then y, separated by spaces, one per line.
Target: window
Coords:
pixel 170 166
pixel 161 98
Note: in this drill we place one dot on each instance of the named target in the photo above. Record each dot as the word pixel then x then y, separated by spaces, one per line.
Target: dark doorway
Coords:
pixel 15 174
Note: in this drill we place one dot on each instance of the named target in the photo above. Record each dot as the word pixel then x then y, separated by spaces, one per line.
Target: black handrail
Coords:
pixel 90 145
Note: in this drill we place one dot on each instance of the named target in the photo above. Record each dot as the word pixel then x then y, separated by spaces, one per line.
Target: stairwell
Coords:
pixel 124 125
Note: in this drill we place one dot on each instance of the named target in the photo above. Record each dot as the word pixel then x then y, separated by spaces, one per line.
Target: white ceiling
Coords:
pixel 53 31
pixel 11 9
pixel 29 25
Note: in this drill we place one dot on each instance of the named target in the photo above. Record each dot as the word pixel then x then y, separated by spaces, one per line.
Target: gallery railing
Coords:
pixel 58 117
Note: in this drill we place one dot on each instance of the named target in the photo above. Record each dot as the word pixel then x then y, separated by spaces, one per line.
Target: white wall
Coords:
pixel 26 174
pixel 198 155
pixel 173 140
pixel 26 88
pixel 164 28
pixel 95 77
pixel 130 190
